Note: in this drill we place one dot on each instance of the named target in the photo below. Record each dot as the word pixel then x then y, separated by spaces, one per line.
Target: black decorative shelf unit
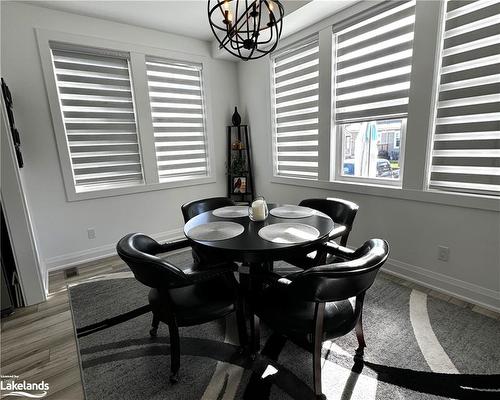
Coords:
pixel 240 182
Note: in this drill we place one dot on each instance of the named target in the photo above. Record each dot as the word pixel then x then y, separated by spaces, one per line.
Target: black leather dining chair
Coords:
pixel 195 207
pixel 181 297
pixel 342 212
pixel 313 305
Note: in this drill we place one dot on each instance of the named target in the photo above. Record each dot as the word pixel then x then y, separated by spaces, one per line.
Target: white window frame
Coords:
pixel 273 108
pixel 329 135
pixel 204 110
pixel 478 196
pixel 338 161
pixel 144 123
pixel 325 107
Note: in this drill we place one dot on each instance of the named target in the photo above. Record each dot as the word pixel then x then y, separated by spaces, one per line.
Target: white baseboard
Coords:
pixel 463 290
pixel 96 253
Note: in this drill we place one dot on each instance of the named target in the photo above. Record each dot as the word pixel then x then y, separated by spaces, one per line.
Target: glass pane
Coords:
pixel 372 149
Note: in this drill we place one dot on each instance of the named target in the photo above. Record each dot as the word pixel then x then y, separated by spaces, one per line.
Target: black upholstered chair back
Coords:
pixel 338 281
pixel 195 207
pixel 340 211
pixel 139 252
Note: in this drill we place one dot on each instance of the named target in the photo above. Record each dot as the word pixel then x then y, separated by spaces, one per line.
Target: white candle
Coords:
pixel 259 210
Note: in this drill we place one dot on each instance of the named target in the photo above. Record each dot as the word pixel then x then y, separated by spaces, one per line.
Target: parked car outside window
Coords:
pixel 384 169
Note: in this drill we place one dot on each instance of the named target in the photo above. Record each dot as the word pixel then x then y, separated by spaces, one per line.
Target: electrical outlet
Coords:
pixel 443 253
pixel 91 233
pixel 70 272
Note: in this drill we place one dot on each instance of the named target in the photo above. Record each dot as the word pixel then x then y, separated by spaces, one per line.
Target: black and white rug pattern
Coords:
pixel 419 347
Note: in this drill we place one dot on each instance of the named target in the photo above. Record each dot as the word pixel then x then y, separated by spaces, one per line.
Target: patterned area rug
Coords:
pixel 419 347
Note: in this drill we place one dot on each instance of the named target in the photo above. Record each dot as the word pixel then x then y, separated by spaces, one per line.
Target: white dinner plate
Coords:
pixel 292 232
pixel 289 211
pixel 231 212
pixel 214 231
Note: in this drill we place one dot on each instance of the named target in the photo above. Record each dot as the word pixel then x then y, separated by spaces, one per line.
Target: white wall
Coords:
pixel 62 225
pixel 414 229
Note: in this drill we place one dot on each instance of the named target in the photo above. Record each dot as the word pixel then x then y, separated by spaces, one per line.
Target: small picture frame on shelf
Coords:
pixel 239 184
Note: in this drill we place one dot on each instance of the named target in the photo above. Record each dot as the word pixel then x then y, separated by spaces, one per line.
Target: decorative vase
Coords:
pixel 236 119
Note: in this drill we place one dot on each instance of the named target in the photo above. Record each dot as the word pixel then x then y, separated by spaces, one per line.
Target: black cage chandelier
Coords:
pixel 246 29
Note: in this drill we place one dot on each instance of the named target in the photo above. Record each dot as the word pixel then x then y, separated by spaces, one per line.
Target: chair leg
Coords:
pixel 359 327
pixel 270 266
pixel 254 284
pixel 360 336
pixel 240 320
pixel 175 350
pixel 255 335
pixel 153 332
pixel 319 314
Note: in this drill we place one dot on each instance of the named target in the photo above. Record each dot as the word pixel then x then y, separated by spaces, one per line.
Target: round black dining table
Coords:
pixel 249 247
pixel 256 252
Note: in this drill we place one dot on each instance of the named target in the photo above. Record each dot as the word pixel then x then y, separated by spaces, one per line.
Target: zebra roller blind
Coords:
pixel 466 146
pixel 178 112
pixel 96 101
pixel 296 97
pixel 373 65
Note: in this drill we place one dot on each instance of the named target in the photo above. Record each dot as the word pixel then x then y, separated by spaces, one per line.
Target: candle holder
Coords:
pixel 258 210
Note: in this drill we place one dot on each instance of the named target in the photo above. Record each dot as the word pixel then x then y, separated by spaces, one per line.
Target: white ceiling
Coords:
pixel 311 13
pixel 186 17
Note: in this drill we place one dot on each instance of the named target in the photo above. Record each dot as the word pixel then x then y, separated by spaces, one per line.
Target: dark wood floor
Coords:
pixel 38 342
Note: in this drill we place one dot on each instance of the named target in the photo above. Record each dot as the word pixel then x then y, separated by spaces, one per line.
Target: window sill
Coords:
pixel 375 182
pixel 426 196
pixel 95 194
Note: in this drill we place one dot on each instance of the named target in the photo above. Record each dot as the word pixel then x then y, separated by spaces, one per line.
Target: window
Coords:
pixel 176 100
pixel 372 81
pixel 341 103
pixel 371 149
pixel 97 106
pixel 127 118
pixel 466 143
pixel 296 107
